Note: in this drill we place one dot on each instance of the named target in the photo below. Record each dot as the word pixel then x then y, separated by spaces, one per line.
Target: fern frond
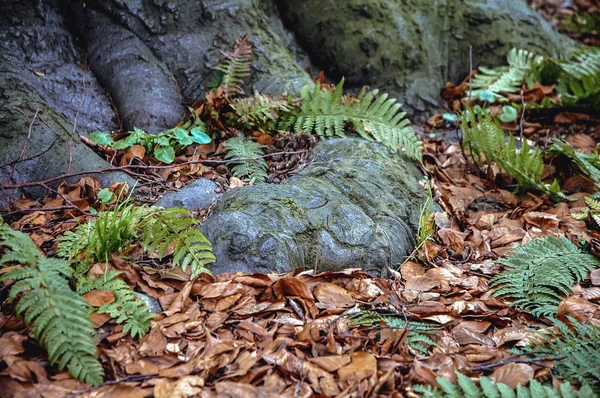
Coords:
pixel 235 66
pixel 176 229
pixel 486 138
pixel 467 388
pixel 539 274
pixel 159 230
pixel 588 163
pixel 580 347
pixel 506 79
pixel 419 333
pixel 259 111
pixel 126 308
pixel 326 113
pixel 59 317
pixel 244 148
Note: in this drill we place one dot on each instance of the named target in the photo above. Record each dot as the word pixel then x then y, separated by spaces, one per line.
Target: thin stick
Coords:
pixel 25 145
pixel 470 72
pixel 127 167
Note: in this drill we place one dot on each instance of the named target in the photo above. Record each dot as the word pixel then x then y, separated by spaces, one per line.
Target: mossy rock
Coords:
pixel 355 205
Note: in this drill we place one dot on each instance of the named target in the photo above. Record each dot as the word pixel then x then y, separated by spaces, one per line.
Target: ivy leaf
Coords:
pixel 165 154
pixel 182 137
pixel 450 117
pixel 121 144
pixel 199 136
pixel 162 141
pixel 105 195
pixel 509 114
pixel 102 138
pixel 487 96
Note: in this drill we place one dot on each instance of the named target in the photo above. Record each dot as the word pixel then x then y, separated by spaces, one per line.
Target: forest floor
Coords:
pixel 307 333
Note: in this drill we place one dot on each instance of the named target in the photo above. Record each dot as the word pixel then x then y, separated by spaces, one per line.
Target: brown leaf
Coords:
pixel 513 374
pixel 11 344
pixel 186 387
pixel 578 308
pixel 331 295
pixel 97 298
pixel 362 365
pixel 410 269
pixel 422 283
pixel 331 363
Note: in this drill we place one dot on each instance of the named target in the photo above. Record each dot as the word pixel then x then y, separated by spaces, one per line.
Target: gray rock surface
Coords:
pixel 411 48
pixel 189 37
pixel 40 70
pixel 199 194
pixel 355 205
pixel 141 86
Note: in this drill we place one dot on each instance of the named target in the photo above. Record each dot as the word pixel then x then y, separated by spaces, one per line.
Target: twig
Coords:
pixel 514 359
pixel 522 117
pixel 27 140
pixel 127 167
pixel 33 210
pixel 470 72
pixel 134 378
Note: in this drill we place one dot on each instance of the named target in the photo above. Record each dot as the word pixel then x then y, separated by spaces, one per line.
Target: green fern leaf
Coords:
pixel 506 79
pixel 540 273
pixel 259 111
pixel 378 118
pixel 486 139
pixel 419 335
pixel 244 148
pixel 174 227
pixel 235 67
pixel 59 317
pixel 580 347
pixel 467 388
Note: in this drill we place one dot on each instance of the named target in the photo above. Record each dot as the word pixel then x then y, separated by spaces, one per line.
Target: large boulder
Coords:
pixel 355 205
pixel 411 48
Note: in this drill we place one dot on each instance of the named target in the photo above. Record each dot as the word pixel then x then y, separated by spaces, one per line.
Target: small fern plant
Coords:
pixel 579 348
pixel 486 138
pixel 235 67
pixel 59 316
pixel 539 274
pixel 374 117
pixel 588 164
pixel 419 336
pixel 467 388
pixel 245 158
pixel 506 79
pixel 126 307
pixel 157 228
pixel 592 211
pixel 259 112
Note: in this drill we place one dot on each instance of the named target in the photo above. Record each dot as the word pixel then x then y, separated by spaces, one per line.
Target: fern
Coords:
pixel 540 273
pixel 419 333
pixel 175 228
pixel 485 137
pixel 253 165
pixel 467 388
pixel 157 228
pixel 580 347
pixel 60 317
pixel 577 76
pixel 235 67
pixel 588 163
pixel 126 308
pixel 591 211
pixel 374 118
pixel 506 79
pixel 259 111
